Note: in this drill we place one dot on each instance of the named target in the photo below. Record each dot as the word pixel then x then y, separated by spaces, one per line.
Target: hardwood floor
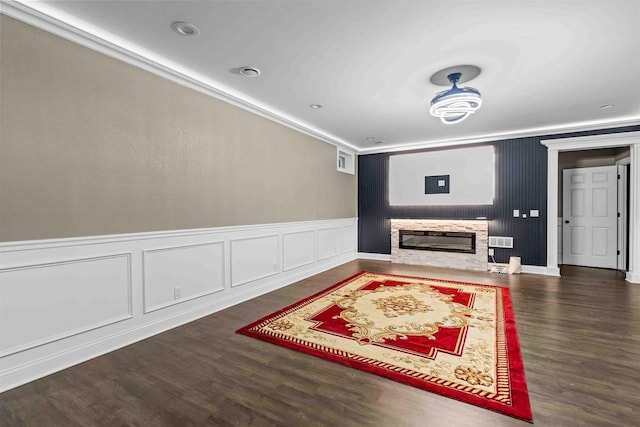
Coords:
pixel 580 337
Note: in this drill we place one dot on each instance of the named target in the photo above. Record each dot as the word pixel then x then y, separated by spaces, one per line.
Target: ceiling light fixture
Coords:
pixel 250 72
pixel 456 104
pixel 606 106
pixel 184 28
pixel 315 106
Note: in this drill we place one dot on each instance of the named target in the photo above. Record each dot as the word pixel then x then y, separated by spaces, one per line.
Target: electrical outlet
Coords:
pixel 491 252
pixel 177 292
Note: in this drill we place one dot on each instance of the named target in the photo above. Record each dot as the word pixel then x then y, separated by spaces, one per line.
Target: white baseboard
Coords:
pixel 537 269
pixel 552 271
pixel 632 277
pixel 528 269
pixel 372 256
pixel 532 269
pixel 266 258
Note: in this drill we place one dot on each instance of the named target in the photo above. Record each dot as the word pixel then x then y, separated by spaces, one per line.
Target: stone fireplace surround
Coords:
pixel 477 261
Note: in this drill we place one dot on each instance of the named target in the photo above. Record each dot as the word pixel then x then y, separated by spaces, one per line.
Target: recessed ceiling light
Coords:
pixel 250 71
pixel 315 106
pixel 379 141
pixel 605 106
pixel 184 28
pixel 371 138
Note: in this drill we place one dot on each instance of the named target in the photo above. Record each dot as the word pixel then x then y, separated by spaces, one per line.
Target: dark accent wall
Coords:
pixel 521 183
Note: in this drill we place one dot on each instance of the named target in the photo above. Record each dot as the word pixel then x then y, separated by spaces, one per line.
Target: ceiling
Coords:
pixel 547 66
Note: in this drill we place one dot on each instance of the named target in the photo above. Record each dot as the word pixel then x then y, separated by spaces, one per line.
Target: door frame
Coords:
pixel 623 204
pixel 593 142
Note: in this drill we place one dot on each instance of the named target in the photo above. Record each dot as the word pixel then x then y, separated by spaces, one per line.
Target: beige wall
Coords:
pixel 90 145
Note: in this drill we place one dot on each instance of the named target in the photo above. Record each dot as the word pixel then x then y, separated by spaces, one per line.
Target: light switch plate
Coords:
pixel 516 213
pixel 533 213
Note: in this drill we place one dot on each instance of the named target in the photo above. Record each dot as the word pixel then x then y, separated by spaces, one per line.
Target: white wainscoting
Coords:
pixel 299 249
pixel 254 258
pixel 64 301
pixel 329 242
pixel 197 270
pixel 46 302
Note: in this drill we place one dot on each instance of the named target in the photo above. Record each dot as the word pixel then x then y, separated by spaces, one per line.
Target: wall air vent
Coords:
pixel 500 242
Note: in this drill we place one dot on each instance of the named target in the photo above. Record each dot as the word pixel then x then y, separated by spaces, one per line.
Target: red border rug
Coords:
pixel 452 338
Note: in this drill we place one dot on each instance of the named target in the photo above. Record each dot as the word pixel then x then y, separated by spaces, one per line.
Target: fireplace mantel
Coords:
pixel 475 261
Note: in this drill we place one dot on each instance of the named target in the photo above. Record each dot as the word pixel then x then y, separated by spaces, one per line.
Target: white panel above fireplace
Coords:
pixel 470 170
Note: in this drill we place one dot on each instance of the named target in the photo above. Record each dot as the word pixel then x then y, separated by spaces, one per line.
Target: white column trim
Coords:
pixel 552 213
pixel 633 275
pixel 592 142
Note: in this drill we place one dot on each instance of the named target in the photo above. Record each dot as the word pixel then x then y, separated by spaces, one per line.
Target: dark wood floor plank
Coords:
pixel 580 339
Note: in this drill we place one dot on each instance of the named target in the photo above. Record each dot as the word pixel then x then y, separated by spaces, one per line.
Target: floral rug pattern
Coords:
pixel 452 338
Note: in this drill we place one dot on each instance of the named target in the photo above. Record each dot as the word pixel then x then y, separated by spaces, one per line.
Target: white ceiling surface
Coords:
pixel 547 66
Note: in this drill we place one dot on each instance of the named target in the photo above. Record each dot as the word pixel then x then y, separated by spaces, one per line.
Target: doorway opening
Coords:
pixel 593 208
pixel 592 142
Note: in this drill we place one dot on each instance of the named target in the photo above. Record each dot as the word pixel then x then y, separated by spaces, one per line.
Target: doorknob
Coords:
pixel 566 221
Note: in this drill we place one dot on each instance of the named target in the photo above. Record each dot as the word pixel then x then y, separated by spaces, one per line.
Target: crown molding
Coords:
pixel 29 14
pixel 550 132
pixel 592 141
pixel 59 27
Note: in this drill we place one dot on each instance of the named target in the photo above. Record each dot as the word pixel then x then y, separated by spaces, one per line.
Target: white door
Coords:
pixel 590 216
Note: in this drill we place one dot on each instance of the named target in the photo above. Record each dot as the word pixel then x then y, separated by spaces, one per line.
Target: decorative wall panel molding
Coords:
pixel 46 302
pixel 254 258
pixel 349 238
pixel 298 249
pixel 329 242
pixel 65 301
pixel 180 273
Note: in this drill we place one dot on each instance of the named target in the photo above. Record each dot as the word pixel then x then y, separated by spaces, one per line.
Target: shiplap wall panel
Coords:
pixel 521 183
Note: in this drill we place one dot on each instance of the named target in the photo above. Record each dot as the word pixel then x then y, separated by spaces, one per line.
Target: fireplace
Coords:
pixel 435 240
pixel 456 243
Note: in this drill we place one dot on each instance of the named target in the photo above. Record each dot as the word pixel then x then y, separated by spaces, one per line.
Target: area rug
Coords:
pixel 451 338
